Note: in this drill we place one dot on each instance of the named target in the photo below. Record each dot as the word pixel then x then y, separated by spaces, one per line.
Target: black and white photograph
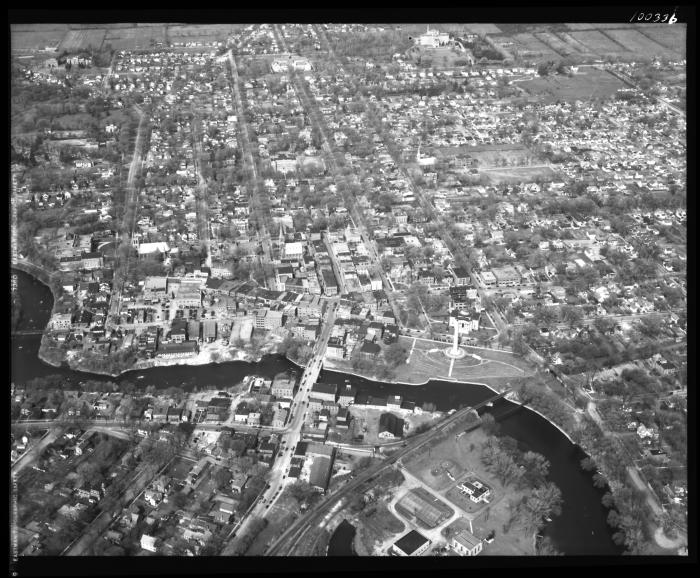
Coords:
pixel 314 287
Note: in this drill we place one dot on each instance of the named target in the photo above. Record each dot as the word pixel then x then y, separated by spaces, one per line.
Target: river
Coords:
pixel 581 529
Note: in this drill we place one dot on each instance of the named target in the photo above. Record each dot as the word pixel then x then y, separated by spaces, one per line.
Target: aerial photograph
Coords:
pixel 348 290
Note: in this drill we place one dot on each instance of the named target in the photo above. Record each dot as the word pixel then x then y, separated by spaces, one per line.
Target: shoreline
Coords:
pixel 250 358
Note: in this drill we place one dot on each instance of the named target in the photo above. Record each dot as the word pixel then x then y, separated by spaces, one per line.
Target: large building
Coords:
pixel 390 426
pixel 283 385
pixel 324 391
pixel 177 350
pixel 466 544
pixel 411 544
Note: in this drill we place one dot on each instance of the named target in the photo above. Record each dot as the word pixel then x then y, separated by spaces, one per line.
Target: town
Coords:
pixel 494 204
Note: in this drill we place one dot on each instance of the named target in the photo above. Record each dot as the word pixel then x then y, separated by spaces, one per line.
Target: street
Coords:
pixel 278 473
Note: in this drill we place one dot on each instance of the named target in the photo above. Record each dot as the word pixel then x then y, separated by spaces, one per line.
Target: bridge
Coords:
pixel 290 538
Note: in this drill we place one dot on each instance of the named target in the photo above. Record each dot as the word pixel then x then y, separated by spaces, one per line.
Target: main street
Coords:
pixel 121 269
pixel 317 120
pixel 280 468
pixel 202 193
pixel 248 160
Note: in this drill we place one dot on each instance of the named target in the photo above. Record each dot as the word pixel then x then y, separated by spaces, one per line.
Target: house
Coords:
pixel 390 426
pixel 149 543
pixel 369 351
pixel 238 482
pixel 346 395
pixel 411 544
pixel 477 491
pixel 466 544
pixel 223 513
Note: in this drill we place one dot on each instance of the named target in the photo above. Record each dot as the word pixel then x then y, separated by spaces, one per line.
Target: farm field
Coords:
pixel 640 44
pixel 483 28
pixel 594 25
pixel 529 45
pixel 587 84
pixel 577 45
pixel 135 38
pixel 557 44
pixel 36 36
pixel 601 44
pixel 76 40
pixel 673 38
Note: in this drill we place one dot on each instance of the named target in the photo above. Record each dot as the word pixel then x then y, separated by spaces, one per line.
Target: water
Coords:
pixel 581 529
pixel 341 541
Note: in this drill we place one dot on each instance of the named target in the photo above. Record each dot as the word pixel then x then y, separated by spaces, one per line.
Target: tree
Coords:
pixel 489 425
pixel 222 478
pixel 301 491
pixel 572 315
pixel 395 355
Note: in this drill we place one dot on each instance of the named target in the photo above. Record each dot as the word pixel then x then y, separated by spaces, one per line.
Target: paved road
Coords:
pixel 286 543
pixel 122 270
pixel 33 453
pixel 280 468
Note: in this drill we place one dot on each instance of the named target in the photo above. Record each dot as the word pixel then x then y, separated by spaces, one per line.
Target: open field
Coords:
pixel 588 83
pixel 490 155
pixel 465 453
pixel 36 36
pixel 593 25
pixel 529 45
pixel 483 28
pixel 428 361
pixel 135 38
pixel 636 42
pixel 558 45
pixel 377 524
pixel 77 40
pixel 601 44
pixel 577 45
pixel 503 175
pixel 672 37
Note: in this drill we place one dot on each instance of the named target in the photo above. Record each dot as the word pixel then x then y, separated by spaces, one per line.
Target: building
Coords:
pixel 324 391
pixel 346 395
pixel 506 276
pixel 91 261
pixel 411 544
pixel 320 473
pixel 466 321
pixel 477 491
pixel 369 351
pixel 177 350
pixel 283 386
pixel 149 543
pixel 209 330
pixel 466 544
pixel 461 276
pixel 328 282
pixel 390 426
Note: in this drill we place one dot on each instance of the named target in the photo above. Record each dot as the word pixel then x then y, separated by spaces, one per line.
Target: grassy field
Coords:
pixel 428 360
pixel 601 44
pixel 512 175
pixel 36 36
pixel 135 38
pixel 76 40
pixel 377 524
pixel 483 28
pixel 588 83
pixel 640 44
pixel 530 45
pixel 465 452
pixel 672 37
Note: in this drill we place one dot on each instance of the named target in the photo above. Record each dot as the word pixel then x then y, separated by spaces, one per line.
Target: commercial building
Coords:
pixel 411 544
